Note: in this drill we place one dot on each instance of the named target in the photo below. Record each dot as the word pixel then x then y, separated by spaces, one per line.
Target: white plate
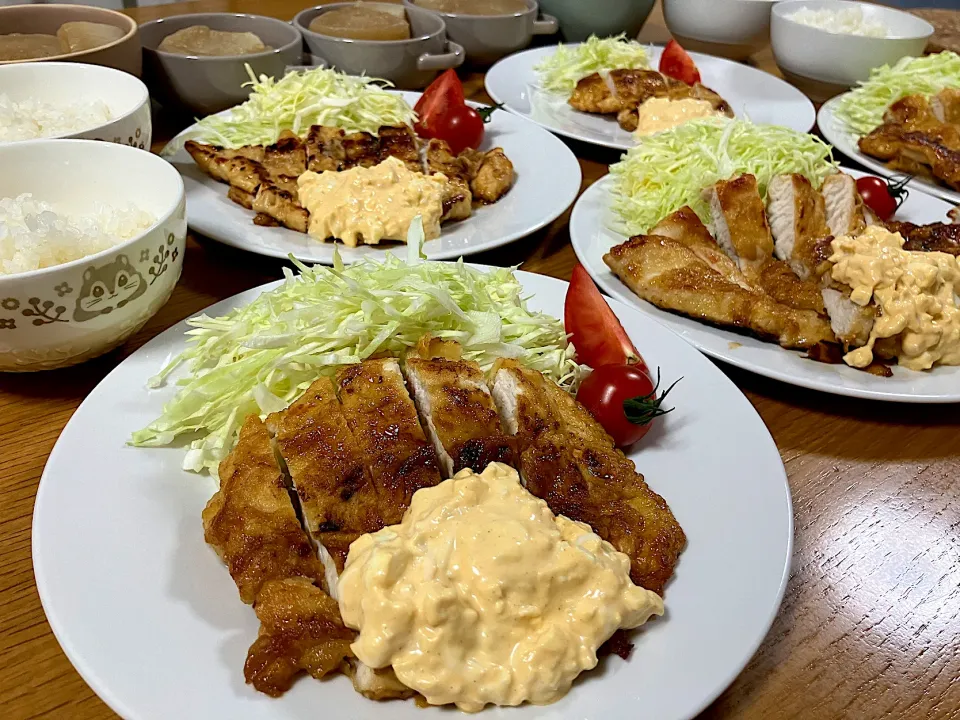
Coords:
pixel 547 182
pixel 752 94
pixel 846 142
pixel 592 238
pixel 151 619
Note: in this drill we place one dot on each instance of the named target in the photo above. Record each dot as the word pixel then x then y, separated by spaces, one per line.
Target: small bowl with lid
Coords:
pixel 183 77
pixel 825 47
pixel 490 29
pixel 414 50
pixel 111 38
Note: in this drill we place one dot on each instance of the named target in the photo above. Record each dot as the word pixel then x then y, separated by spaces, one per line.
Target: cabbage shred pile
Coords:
pixel 300 100
pixel 560 71
pixel 668 170
pixel 861 110
pixel 261 357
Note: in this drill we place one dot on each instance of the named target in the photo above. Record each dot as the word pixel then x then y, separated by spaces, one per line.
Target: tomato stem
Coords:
pixel 897 187
pixel 644 409
pixel 486 112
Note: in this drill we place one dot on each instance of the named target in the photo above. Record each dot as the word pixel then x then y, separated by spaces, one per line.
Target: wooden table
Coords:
pixel 869 628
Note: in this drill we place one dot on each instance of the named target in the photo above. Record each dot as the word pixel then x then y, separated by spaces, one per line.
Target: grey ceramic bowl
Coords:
pixel 487 38
pixel 579 19
pixel 204 84
pixel 122 54
pixel 409 64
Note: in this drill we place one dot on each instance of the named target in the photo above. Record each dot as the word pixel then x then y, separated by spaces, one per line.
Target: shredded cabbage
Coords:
pixel 300 100
pixel 561 71
pixel 668 170
pixel 261 357
pixel 861 110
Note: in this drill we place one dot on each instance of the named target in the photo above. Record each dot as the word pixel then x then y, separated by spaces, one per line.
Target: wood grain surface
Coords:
pixel 869 628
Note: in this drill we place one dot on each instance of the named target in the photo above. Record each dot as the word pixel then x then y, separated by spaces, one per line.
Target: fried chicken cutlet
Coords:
pixel 568 460
pixel 263 178
pixel 338 498
pixel 252 524
pixel 621 91
pixel 383 419
pixel 458 413
pixel 741 228
pixel 250 520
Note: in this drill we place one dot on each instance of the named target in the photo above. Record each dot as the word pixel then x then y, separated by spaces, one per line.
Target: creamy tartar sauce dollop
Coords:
pixel 914 291
pixel 482 595
pixel 658 114
pixel 370 204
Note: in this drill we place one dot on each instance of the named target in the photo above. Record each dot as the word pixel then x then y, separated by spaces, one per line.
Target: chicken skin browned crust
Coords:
pixel 300 631
pixel 251 522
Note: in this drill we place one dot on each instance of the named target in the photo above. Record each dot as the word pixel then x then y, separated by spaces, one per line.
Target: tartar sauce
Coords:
pixel 659 114
pixel 371 204
pixel 482 595
pixel 915 292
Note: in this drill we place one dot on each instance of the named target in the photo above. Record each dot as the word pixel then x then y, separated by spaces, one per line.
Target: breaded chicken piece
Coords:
pixel 740 224
pixel 843 207
pixel 568 460
pixel 797 218
pixel 338 499
pixel 946 105
pixel 686 228
pixel 300 631
pixel 739 220
pixel 282 206
pixel 670 275
pixel 458 413
pixel 621 91
pixel 935 237
pixel 493 178
pixel 383 419
pixel 250 520
pixel 376 683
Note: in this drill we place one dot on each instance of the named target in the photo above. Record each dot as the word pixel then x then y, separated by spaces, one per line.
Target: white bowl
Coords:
pixel 46 316
pixel 733 29
pixel 66 82
pixel 824 63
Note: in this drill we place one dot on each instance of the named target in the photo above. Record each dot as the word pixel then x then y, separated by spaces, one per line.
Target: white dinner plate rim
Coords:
pixel 566 179
pixel 615 289
pixel 611 143
pixel 90 674
pixel 845 144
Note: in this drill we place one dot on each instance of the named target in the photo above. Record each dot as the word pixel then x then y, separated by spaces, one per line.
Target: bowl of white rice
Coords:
pixel 73 100
pixel 91 246
pixel 825 47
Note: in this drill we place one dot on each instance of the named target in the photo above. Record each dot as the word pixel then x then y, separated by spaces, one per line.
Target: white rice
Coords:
pixel 35 234
pixel 849 21
pixel 31 118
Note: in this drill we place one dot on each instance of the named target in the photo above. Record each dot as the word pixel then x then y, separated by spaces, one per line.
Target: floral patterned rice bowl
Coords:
pixel 65 314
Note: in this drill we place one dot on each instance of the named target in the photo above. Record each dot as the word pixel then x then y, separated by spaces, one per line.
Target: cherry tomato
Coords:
pixel 623 398
pixel 442 94
pixel 461 127
pixel 597 335
pixel 676 63
pixel 881 196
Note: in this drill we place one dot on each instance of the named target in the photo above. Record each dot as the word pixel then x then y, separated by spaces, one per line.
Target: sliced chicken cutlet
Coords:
pixel 843 208
pixel 621 91
pixel 338 499
pixel 798 220
pixel 741 228
pixel 671 276
pixel 458 413
pixel 250 521
pixel 570 462
pixel 686 228
pixel 376 683
pixel 384 422
pixel 300 631
pixel 739 220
